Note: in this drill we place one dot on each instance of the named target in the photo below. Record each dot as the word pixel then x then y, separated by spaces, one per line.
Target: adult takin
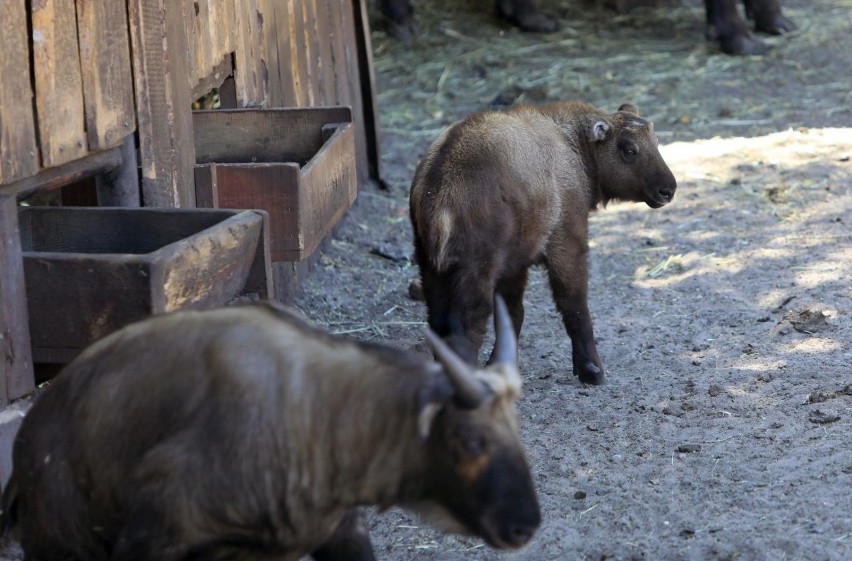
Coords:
pixel 246 433
pixel 501 191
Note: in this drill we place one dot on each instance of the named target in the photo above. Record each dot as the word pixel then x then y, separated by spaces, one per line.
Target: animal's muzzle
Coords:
pixel 517 535
pixel 662 194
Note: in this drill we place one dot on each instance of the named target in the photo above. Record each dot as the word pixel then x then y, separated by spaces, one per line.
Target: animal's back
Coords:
pixel 485 181
pixel 140 414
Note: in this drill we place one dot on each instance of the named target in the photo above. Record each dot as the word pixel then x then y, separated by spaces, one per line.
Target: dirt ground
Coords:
pixel 724 319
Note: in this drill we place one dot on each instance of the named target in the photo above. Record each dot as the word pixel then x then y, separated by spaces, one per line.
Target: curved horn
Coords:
pixel 505 342
pixel 469 392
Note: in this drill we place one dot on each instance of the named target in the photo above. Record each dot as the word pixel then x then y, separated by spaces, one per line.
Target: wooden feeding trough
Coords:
pixel 296 164
pixel 90 271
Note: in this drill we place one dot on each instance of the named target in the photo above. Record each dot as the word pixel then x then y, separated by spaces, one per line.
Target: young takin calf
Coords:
pixel 501 191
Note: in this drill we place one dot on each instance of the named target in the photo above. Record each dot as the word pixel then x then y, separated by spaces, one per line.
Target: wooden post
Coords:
pixel 16 366
pixel 368 90
pixel 120 186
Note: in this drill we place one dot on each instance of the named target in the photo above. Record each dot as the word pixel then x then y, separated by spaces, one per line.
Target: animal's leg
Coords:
pixel 349 542
pixel 526 15
pixel 146 537
pixel 399 18
pixel 725 24
pixel 569 282
pixel 767 16
pixel 512 290
pixel 471 304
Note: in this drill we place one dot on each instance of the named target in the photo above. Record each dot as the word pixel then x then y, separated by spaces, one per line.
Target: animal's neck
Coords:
pixel 590 168
pixel 574 120
pixel 375 442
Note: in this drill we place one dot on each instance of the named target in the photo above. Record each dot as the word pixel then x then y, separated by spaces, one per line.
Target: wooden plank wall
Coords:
pixel 76 62
pixel 286 53
pixel 211 31
pixel 282 53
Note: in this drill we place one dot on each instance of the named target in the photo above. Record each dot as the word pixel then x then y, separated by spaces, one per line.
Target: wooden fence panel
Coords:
pixel 269 64
pixel 18 150
pixel 105 58
pixel 338 61
pixel 250 89
pixel 59 85
pixel 202 44
pixel 285 89
pixel 322 27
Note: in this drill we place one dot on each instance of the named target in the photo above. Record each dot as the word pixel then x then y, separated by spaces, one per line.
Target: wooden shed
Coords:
pixel 96 103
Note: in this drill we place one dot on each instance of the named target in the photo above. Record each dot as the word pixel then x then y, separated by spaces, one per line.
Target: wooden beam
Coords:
pixel 120 186
pixel 18 150
pixel 369 92
pixel 59 176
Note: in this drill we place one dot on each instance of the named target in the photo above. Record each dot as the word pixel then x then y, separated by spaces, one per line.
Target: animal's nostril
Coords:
pixel 666 193
pixel 520 534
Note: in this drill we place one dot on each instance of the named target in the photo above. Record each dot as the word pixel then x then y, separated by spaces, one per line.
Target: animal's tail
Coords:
pixel 9 505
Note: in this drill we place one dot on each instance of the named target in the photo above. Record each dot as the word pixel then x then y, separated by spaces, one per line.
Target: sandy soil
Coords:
pixel 725 429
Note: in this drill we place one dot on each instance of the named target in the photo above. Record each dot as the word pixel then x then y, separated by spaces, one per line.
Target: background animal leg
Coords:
pixel 349 542
pixel 145 538
pixel 526 15
pixel 399 18
pixel 570 295
pixel 725 24
pixel 512 290
pixel 767 16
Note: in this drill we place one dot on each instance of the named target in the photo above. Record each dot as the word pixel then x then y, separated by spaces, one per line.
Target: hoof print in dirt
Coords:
pixel 809 321
pixel 822 418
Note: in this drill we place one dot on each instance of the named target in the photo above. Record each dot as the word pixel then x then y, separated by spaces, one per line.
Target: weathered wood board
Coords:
pixel 105 58
pixel 161 72
pixel 18 150
pixel 58 81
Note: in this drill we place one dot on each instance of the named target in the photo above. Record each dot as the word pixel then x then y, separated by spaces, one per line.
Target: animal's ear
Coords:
pixel 431 399
pixel 598 131
pixel 629 108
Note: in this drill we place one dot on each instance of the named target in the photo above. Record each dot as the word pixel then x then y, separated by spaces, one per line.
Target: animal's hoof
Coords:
pixel 590 373
pixel 778 26
pixel 539 23
pixel 415 290
pixel 742 45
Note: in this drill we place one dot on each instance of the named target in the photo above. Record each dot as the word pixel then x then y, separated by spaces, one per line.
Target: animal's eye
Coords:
pixel 474 445
pixel 629 152
pixel 469 444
